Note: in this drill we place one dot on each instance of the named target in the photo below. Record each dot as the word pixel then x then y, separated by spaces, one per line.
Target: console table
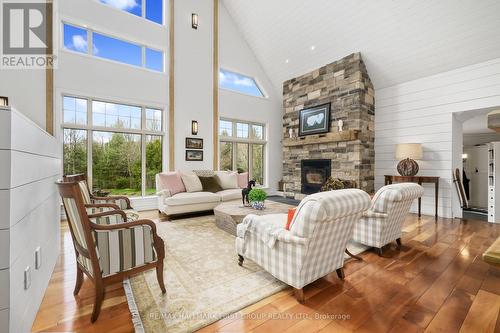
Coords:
pixel 419 180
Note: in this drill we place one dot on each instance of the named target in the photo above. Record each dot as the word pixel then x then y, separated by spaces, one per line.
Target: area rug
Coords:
pixel 203 280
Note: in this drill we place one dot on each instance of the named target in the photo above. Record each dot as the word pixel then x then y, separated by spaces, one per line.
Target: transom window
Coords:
pixel 242 148
pixel 77 39
pixel 239 83
pixel 118 146
pixel 152 10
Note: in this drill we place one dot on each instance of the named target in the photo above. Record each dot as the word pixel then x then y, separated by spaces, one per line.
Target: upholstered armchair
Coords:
pixel 383 222
pixel 122 202
pixel 315 244
pixel 108 248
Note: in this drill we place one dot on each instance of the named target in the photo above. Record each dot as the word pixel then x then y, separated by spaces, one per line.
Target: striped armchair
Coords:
pixel 107 247
pixel 383 222
pixel 122 202
pixel 315 244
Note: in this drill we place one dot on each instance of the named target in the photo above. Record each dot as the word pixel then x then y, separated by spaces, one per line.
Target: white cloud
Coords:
pixel 122 4
pixel 79 43
pixel 236 79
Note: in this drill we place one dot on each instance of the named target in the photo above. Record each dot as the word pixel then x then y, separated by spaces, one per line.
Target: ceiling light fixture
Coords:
pixel 287 61
pixel 313 48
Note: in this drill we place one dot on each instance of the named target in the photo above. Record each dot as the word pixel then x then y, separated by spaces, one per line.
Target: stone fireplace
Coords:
pixel 314 174
pixel 348 154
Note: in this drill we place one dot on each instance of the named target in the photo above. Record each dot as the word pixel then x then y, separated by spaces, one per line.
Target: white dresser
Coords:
pixel 494 182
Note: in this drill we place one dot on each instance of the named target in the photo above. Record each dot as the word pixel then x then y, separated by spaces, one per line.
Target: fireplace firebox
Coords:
pixel 314 173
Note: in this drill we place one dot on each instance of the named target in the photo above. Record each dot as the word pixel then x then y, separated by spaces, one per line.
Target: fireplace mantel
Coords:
pixel 347 135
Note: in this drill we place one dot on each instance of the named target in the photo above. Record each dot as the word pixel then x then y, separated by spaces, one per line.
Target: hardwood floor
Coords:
pixel 437 282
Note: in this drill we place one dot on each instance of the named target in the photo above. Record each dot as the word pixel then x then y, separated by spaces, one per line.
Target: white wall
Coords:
pixel 30 163
pixel 421 111
pixel 193 80
pixel 236 55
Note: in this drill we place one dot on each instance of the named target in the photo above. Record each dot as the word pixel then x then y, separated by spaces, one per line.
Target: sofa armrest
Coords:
pixel 374 215
pixel 163 193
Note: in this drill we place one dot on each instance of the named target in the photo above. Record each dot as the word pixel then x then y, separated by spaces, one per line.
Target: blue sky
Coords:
pixel 154 8
pixel 238 82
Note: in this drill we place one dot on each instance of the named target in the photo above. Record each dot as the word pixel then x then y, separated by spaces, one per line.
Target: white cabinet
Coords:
pixel 494 182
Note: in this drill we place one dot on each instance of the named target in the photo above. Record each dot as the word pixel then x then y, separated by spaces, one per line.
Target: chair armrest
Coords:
pixel 115 207
pixel 114 198
pixel 288 237
pixel 163 193
pixel 110 213
pixel 374 215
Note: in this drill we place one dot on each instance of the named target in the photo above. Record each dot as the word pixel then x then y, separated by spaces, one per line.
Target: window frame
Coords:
pixel 90 47
pixel 143 11
pixel 250 141
pixel 253 78
pixel 90 129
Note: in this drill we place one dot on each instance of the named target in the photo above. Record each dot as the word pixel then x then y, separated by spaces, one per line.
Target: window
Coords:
pixel 238 82
pixel 124 156
pixel 106 47
pixel 153 8
pixel 117 50
pixel 75 39
pixel 242 147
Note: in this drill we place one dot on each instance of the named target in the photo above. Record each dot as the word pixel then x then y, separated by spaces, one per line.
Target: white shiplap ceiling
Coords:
pixel 399 40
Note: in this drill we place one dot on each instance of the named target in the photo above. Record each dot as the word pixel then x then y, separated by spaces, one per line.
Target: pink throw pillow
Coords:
pixel 172 181
pixel 243 180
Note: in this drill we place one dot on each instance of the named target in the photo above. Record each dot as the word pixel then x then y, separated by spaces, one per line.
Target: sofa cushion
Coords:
pixel 192 183
pixel 172 181
pixel 210 184
pixel 204 173
pixel 186 198
pixel 227 179
pixel 243 180
pixel 228 195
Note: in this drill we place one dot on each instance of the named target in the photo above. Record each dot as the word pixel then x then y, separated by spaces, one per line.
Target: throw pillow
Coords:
pixel 227 180
pixel 291 214
pixel 172 181
pixel 243 180
pixel 192 183
pixel 210 184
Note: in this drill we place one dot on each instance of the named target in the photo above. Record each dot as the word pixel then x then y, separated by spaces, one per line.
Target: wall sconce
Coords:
pixel 4 101
pixel 464 157
pixel 194 21
pixel 194 127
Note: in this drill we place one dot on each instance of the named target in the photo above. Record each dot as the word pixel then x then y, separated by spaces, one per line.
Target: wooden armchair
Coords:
pixel 122 202
pixel 99 252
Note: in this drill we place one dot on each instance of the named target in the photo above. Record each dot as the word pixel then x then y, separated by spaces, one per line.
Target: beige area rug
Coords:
pixel 203 280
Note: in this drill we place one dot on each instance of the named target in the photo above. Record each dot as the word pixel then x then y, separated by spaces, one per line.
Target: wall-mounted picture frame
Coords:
pixel 194 143
pixel 194 155
pixel 315 120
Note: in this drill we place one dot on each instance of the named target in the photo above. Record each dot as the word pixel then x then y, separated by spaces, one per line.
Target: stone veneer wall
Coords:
pixel 346 85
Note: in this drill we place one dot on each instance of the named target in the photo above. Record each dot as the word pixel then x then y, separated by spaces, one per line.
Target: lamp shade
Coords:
pixel 409 150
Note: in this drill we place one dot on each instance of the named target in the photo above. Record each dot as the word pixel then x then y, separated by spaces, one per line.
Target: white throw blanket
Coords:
pixel 267 229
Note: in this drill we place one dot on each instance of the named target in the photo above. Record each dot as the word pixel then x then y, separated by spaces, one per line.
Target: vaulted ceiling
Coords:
pixel 399 40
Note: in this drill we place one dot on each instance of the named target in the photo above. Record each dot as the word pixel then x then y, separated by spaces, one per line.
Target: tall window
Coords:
pixel 118 146
pixel 77 39
pixel 239 83
pixel 242 147
pixel 152 10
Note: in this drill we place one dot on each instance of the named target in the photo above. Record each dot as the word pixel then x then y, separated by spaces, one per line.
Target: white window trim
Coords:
pixel 90 46
pixel 250 141
pixel 143 9
pixel 90 129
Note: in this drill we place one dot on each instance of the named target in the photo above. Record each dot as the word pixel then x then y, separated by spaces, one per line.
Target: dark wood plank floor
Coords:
pixel 437 282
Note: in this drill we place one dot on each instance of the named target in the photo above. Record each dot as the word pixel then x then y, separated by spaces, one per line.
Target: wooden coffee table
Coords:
pixel 229 214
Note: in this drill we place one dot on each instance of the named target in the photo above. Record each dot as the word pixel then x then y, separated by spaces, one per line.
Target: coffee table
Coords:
pixel 229 214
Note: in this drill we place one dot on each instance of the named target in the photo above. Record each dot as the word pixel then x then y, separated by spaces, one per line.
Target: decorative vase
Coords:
pixel 259 205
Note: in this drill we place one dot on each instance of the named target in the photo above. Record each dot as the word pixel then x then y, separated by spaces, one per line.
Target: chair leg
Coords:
pixel 340 273
pixel 159 276
pixel 99 297
pixel 79 280
pixel 240 260
pixel 299 295
pixel 399 243
pixel 353 255
pixel 380 251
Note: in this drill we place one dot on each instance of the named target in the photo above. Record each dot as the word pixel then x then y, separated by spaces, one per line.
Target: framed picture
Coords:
pixel 314 120
pixel 194 155
pixel 194 143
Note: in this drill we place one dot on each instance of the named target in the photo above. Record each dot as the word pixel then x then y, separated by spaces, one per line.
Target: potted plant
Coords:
pixel 257 197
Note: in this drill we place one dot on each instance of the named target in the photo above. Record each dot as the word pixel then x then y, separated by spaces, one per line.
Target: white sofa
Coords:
pixel 185 202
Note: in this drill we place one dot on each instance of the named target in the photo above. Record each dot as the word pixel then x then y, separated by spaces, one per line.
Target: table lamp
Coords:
pixel 408 153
